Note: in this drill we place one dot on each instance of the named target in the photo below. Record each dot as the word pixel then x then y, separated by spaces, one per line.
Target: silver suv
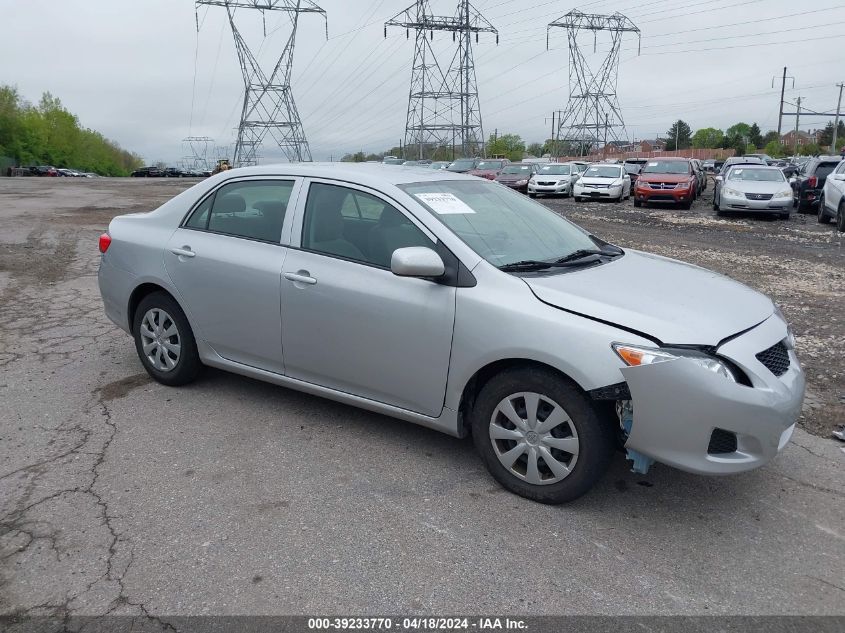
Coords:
pixel 455 303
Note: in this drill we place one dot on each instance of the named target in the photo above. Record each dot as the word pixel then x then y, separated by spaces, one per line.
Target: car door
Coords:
pixel 226 264
pixel 835 188
pixel 350 324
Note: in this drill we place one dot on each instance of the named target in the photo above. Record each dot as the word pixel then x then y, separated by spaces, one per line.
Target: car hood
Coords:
pixel 514 177
pixel 593 180
pixel 663 177
pixel 668 300
pixel 484 173
pixel 756 186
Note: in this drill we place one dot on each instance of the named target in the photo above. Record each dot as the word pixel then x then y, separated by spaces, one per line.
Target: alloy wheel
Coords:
pixel 534 438
pixel 160 340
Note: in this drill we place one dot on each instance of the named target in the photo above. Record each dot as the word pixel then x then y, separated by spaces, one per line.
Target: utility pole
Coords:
pixel 797 119
pixel 268 106
pixel 782 91
pixel 437 96
pixel 833 148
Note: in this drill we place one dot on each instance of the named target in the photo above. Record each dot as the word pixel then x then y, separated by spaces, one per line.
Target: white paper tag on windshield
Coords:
pixel 652 164
pixel 445 203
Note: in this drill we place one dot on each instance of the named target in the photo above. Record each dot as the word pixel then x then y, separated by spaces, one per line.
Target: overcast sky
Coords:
pixel 127 69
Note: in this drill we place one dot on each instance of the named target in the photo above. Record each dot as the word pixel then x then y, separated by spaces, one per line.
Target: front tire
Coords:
pixel 840 217
pixel 637 203
pixel 539 435
pixel 164 340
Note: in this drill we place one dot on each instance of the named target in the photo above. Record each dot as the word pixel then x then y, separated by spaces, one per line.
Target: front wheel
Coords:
pixel 164 340
pixel 637 203
pixel 578 198
pixel 539 435
pixel 532 195
pixel 840 217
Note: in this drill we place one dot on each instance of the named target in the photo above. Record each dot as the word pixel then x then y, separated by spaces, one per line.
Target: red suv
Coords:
pixel 670 179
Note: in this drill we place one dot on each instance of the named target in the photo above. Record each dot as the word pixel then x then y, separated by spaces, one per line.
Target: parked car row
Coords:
pixel 170 172
pixel 61 172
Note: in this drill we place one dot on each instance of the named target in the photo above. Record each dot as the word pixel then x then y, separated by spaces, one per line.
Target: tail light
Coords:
pixel 105 242
pixel 812 182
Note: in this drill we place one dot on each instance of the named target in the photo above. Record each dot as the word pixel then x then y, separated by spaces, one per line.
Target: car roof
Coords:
pixel 372 174
pixel 755 166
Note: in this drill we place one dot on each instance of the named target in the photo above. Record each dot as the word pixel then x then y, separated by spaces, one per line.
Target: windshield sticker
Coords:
pixel 652 164
pixel 737 171
pixel 444 203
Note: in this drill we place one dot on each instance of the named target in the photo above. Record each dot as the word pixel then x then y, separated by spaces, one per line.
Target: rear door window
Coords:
pixel 251 209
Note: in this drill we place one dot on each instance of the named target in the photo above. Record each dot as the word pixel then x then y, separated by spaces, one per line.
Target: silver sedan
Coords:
pixel 753 188
pixel 455 303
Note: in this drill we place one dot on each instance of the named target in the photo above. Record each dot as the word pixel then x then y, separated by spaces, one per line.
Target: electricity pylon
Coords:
pixel 196 152
pixel 592 115
pixel 443 107
pixel 268 106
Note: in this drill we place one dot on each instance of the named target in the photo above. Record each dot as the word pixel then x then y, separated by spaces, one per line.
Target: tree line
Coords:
pixel 747 139
pixel 47 134
pixel 741 137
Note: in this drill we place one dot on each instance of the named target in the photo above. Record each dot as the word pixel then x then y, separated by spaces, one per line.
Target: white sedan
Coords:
pixel 832 203
pixel 603 182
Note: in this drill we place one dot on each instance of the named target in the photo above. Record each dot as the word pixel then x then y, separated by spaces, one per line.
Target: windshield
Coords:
pixel 666 167
pixel 462 164
pixel 555 170
pixel 516 169
pixel 500 225
pixel 490 164
pixel 603 171
pixel 757 175
pixel 632 168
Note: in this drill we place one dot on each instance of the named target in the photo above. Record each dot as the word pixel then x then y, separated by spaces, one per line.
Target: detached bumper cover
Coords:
pixel 677 406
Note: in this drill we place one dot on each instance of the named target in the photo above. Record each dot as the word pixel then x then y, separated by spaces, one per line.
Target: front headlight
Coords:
pixel 634 356
pixel 786 193
pixel 533 181
pixel 521 182
pixel 733 192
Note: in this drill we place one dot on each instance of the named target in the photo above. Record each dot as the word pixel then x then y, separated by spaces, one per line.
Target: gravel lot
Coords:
pixel 119 495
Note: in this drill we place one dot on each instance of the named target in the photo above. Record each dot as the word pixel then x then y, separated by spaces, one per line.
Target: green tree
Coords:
pixel 738 130
pixel 826 137
pixel 810 149
pixel 707 138
pixel 49 134
pixel 755 137
pixel 775 149
pixel 508 145
pixel 768 137
pixel 535 149
pixel 680 132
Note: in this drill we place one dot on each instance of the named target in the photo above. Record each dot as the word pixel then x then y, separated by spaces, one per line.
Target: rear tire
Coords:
pixel 164 340
pixel 578 447
pixel 822 216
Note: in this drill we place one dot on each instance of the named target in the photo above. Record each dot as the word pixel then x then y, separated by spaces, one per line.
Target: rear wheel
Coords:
pixel 823 217
pixel 539 435
pixel 164 340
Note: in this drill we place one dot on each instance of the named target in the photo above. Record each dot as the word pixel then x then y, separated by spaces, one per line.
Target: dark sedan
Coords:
pixel 517 175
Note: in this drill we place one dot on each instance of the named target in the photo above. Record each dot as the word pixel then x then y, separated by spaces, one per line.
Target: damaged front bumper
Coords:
pixel 680 409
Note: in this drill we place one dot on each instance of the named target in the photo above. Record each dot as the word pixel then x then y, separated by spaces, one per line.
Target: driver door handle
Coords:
pixel 183 252
pixel 301 277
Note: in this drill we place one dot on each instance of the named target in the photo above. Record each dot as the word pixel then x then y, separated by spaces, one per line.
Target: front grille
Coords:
pixel 546 184
pixel 663 185
pixel 721 442
pixel 759 196
pixel 776 359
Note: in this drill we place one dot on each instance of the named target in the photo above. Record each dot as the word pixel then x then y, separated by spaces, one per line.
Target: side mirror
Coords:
pixel 839 176
pixel 416 261
pixel 719 178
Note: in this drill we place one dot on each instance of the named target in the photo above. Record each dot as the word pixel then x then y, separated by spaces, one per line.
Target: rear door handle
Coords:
pixel 301 277
pixel 185 251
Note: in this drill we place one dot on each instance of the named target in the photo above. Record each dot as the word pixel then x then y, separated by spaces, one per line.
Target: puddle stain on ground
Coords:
pixel 121 388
